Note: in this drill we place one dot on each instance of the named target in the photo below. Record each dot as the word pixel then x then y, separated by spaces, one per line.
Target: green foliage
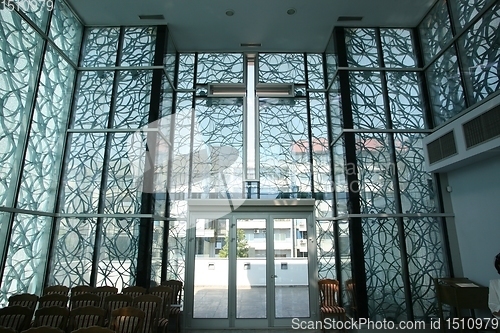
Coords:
pixel 241 246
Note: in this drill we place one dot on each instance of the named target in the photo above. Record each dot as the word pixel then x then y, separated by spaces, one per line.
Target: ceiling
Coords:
pixel 203 26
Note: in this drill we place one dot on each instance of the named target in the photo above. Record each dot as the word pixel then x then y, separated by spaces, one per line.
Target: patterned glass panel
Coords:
pixel 315 75
pixel 335 108
pixel 425 261
pixel 179 182
pixel 100 47
pixel 405 100
pixel 26 256
pixel 320 151
pixel 126 169
pixel 217 157
pixel 72 259
pixel 384 281
pixel 220 68
pixel 132 99
pixel 323 208
pixel 93 100
pixel 176 250
pixel 435 31
pixel 325 241
pixel 186 71
pixel 415 184
pixel 284 148
pixel 331 60
pixel 118 253
pixel 397 48
pixel 138 46
pixel 170 59
pixel 47 135
pixel 367 100
pixel 481 55
pixel 464 11
pixel 82 181
pixel 281 68
pixel 361 47
pixel 37 11
pixel 445 88
pixel 19 63
pixel 375 170
pixel 66 30
pixel 340 172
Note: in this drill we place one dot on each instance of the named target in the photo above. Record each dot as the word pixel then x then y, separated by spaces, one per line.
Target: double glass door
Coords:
pixel 249 270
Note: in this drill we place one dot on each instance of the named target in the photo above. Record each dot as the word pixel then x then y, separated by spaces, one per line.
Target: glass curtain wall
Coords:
pixel 385 200
pixel 39 52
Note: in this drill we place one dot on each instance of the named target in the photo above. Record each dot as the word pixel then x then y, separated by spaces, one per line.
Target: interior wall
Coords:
pixel 475 194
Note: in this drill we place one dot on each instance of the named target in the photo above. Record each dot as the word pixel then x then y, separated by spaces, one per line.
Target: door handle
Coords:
pixel 274 276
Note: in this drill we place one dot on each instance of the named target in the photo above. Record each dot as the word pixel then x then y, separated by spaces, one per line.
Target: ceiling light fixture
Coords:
pixel 229 12
pixel 291 11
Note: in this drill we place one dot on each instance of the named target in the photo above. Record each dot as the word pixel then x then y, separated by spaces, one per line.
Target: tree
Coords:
pixel 241 246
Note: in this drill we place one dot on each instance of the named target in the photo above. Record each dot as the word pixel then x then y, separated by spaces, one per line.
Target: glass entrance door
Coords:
pixel 250 271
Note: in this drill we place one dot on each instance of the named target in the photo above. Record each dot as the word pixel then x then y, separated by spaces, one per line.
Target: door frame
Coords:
pixel 248 208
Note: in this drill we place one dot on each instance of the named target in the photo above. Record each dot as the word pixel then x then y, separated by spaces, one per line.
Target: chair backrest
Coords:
pixel 329 292
pixel 7 330
pixel 85 299
pixel 94 329
pixel 127 320
pixel 53 316
pixel 86 316
pixel 58 289
pixel 104 291
pixel 53 300
pixel 84 289
pixel 134 291
pixel 27 300
pixel 151 305
pixel 165 293
pixel 176 285
pixel 16 317
pixel 113 302
pixel 43 329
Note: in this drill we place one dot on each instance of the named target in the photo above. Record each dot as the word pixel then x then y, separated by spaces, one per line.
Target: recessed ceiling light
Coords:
pixel 229 12
pixel 291 11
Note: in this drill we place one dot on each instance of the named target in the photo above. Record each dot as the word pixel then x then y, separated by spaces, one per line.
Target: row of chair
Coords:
pixel 47 329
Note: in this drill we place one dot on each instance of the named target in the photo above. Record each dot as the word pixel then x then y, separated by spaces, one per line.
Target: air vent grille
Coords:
pixel 482 128
pixel 349 18
pixel 442 148
pixel 151 17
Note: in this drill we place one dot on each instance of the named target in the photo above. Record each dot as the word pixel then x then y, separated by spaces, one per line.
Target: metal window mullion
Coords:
pixel 105 166
pixel 355 224
pixel 395 184
pixel 309 127
pixel 193 118
pixel 10 225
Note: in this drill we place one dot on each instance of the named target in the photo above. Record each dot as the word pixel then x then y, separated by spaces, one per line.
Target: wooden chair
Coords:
pixel 166 295
pixel 104 291
pixel 85 299
pixel 94 329
pixel 329 295
pixel 58 289
pixel 78 290
pixel 16 317
pixel 113 302
pixel 86 316
pixel 175 306
pixel 127 320
pixel 151 305
pixel 134 291
pixel 52 316
pixel 43 329
pixel 28 300
pixel 53 300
